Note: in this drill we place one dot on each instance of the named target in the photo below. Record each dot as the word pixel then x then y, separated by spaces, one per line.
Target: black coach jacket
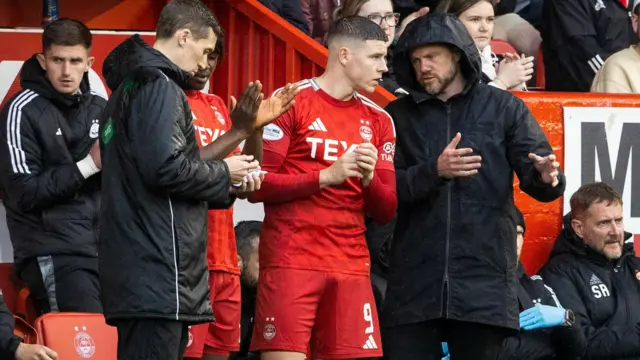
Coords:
pixel 454 247
pixel 604 295
pixel 154 214
pixel 577 38
pixel 560 342
pixel 51 208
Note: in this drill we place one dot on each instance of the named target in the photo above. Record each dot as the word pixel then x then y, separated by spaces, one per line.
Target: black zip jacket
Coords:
pixel 8 341
pixel 154 219
pixel 51 208
pixel 454 248
pixel 560 342
pixel 604 295
pixel 577 38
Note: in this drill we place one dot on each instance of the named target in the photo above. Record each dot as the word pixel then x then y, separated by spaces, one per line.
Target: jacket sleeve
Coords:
pixel 28 184
pixel 583 52
pixel 525 136
pixel 292 12
pixel 8 341
pixel 305 7
pixel 606 342
pixel 159 158
pixel 413 182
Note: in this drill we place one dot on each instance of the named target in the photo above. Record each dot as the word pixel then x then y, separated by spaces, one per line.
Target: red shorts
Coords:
pixel 222 336
pixel 334 313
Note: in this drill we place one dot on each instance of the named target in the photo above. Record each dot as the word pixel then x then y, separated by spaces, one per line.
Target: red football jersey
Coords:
pixel 323 231
pixel 210 120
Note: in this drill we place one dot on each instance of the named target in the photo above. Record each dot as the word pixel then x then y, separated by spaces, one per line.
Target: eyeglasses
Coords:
pixel 390 19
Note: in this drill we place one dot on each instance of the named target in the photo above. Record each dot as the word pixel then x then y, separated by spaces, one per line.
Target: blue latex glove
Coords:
pixel 542 316
pixel 445 351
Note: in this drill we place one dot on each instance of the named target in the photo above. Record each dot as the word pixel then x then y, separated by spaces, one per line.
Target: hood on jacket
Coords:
pixel 135 53
pixel 569 242
pixel 33 77
pixel 435 28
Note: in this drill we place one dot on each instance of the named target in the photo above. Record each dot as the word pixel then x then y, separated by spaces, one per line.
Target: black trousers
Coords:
pixel 63 283
pixel 152 339
pixel 422 341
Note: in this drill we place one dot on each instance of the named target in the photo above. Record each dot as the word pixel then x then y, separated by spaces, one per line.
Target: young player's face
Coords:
pixel 194 53
pixel 65 66
pixel 478 20
pixel 435 66
pixel 379 11
pixel 199 80
pixel 602 228
pixel 367 64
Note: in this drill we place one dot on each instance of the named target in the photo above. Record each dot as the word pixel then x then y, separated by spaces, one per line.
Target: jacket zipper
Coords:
pixel 445 284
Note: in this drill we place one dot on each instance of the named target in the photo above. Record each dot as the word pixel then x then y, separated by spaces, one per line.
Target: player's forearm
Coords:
pixel 253 145
pixel 281 188
pixel 222 146
pixel 380 200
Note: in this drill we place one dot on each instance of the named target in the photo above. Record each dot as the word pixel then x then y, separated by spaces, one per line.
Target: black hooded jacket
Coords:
pixel 604 294
pixel 51 208
pixel 454 247
pixel 154 219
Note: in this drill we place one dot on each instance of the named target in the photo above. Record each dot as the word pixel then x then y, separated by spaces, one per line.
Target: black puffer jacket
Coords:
pixel 604 295
pixel 51 208
pixel 454 248
pixel 154 219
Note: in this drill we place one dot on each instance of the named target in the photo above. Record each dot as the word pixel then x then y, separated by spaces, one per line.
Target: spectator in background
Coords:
pixel 49 165
pixel 621 72
pixel 453 271
pixel 11 346
pixel 381 13
pixel 319 16
pixel 154 220
pixel 510 73
pixel 578 36
pixel 512 28
pixel 291 11
pixel 247 241
pixel 547 330
pixel 595 272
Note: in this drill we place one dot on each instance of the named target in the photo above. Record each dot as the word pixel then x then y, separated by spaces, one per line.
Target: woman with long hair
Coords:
pixel 510 73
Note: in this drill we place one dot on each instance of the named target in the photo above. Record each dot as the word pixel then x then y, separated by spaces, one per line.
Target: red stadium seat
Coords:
pixel 25 331
pixel 24 306
pixel 500 47
pixel 78 336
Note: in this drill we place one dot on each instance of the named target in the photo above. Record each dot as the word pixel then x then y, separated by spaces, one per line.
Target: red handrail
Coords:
pixel 260 45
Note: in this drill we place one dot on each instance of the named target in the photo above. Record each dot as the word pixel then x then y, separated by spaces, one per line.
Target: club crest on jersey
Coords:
pixel 218 115
pixel 269 330
pixel 365 130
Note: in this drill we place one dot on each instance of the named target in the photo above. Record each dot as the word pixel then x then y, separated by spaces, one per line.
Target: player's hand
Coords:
pixel 254 180
pixel 454 162
pixel 548 167
pixel 366 158
pixel 276 105
pixel 240 166
pixel 243 115
pixel 35 352
pixel 95 154
pixel 345 167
